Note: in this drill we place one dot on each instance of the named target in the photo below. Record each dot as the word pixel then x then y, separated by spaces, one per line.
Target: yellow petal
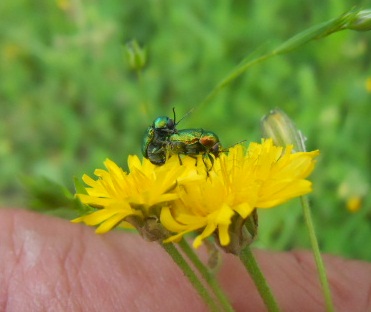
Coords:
pixel 224 237
pixel 110 223
pixel 169 222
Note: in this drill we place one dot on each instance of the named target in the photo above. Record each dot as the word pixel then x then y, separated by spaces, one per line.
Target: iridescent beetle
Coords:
pixel 162 139
pixel 194 142
pixel 155 139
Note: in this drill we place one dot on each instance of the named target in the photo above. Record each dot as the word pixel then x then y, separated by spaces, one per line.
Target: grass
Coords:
pixel 69 97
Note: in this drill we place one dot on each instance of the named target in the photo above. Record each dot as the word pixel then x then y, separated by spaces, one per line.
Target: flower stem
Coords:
pixel 354 19
pixel 252 267
pixel 317 255
pixel 206 275
pixel 190 274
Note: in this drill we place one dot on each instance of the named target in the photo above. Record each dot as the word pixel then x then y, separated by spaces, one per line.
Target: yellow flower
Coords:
pixel 354 203
pixel 118 194
pixel 368 84
pixel 64 5
pixel 261 176
pixel 187 198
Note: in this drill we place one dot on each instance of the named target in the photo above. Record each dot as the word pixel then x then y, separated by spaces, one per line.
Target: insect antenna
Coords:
pixel 174 116
pixel 189 112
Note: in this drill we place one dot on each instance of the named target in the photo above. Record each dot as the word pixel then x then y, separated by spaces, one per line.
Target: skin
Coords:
pixel 49 264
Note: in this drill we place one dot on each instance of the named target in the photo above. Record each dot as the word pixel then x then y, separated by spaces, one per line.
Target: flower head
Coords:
pixel 166 202
pixel 261 176
pixel 133 196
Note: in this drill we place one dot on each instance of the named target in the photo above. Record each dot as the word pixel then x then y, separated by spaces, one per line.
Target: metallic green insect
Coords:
pixel 162 140
pixel 155 139
pixel 194 142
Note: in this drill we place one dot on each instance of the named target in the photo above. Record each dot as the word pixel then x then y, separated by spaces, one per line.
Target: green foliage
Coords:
pixel 69 99
pixel 47 196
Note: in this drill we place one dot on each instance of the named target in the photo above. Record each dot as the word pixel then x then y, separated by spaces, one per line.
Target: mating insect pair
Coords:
pixel 162 140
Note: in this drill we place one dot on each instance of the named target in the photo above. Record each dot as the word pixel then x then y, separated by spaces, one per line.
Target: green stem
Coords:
pixel 353 19
pixel 252 267
pixel 238 71
pixel 317 255
pixel 233 75
pixel 207 276
pixel 144 97
pixel 190 274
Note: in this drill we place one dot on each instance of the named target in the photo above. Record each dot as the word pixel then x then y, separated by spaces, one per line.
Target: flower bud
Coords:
pixel 361 21
pixel 278 126
pixel 135 55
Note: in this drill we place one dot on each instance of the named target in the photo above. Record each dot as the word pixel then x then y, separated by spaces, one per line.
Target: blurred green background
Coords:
pixel 69 98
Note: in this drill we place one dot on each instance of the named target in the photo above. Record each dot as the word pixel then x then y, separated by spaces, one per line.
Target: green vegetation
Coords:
pixel 69 96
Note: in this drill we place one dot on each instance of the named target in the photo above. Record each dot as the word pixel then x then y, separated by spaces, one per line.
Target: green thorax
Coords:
pixel 192 136
pixel 187 136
